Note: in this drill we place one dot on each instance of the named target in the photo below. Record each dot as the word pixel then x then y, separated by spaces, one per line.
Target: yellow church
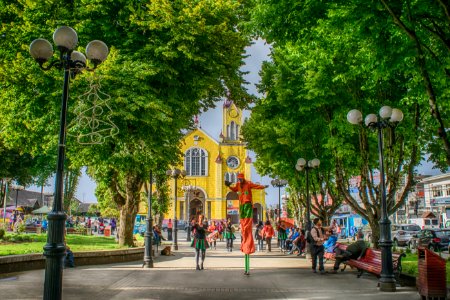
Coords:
pixel 208 163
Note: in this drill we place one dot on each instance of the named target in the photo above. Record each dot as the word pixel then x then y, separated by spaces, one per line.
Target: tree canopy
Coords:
pixel 168 61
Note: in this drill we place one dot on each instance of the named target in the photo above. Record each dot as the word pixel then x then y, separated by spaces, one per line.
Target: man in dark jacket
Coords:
pixel 353 251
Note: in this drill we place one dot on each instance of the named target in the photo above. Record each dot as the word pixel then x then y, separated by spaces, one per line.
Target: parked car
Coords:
pixel 403 233
pixel 435 239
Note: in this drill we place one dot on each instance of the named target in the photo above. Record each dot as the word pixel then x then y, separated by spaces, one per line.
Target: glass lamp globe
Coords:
pixel 354 117
pixel 385 112
pixel 299 168
pixel 65 37
pixel 301 162
pixel 169 172
pixel 315 162
pixel 41 49
pixel 97 51
pixel 78 56
pixel 397 115
pixel 372 118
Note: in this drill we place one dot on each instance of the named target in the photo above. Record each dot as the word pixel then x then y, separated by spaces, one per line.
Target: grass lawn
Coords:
pixel 75 242
pixel 409 265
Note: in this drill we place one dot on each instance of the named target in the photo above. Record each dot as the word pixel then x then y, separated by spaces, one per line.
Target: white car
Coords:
pixel 403 233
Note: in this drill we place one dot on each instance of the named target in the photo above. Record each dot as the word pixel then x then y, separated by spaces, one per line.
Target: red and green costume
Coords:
pixel 244 190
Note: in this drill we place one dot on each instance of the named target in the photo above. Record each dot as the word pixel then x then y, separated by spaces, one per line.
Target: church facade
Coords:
pixel 208 163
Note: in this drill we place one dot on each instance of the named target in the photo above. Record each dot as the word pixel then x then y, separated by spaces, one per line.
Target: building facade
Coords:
pixel 437 197
pixel 208 163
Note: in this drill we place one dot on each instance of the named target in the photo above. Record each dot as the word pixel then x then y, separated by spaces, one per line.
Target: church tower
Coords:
pixel 208 163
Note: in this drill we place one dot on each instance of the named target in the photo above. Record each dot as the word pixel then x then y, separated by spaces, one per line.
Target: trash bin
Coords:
pixel 431 281
pixel 89 231
pixel 107 231
pixel 38 230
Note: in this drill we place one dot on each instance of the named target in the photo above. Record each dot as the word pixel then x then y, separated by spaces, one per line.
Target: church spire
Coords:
pixel 231 121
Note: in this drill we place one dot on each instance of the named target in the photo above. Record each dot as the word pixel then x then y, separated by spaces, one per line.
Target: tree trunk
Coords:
pixel 375 238
pixel 127 217
pixel 129 209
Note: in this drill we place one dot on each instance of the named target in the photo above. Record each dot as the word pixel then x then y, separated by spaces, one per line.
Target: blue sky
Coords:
pixel 258 52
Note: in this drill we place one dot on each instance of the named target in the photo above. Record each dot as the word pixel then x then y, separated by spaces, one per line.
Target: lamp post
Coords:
pixel 175 174
pixel 148 260
pixel 188 189
pixel 279 183
pixel 389 117
pixel 303 164
pixel 72 62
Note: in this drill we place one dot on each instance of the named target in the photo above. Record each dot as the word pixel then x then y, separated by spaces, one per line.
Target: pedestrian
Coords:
pixel 258 236
pixel 199 242
pixel 267 233
pixel 113 225
pixel 244 190
pixel 317 249
pixel 281 229
pixel 169 230
pixel 213 234
pixel 229 235
pixel 220 228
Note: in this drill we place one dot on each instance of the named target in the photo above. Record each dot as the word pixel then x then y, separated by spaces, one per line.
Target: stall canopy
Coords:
pixel 42 210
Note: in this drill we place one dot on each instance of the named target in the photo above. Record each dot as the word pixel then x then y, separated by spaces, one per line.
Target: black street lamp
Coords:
pixel 175 174
pixel 72 62
pixel 389 117
pixel 279 183
pixel 301 165
pixel 188 189
pixel 148 259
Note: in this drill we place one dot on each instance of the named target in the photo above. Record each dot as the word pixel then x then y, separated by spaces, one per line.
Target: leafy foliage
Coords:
pixel 168 61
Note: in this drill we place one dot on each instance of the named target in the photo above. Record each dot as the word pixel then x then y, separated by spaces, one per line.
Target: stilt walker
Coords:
pixel 244 190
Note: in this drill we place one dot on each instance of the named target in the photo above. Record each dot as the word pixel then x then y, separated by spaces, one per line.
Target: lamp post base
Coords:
pixel 175 247
pixel 147 265
pixel 387 286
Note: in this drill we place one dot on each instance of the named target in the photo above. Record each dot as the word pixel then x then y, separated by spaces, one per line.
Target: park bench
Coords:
pixel 369 262
pixel 30 229
pixel 72 230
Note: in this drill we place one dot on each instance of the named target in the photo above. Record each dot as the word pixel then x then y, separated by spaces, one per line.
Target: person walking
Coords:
pixel 213 234
pixel 282 236
pixel 199 242
pixel 317 249
pixel 258 236
pixel 267 233
pixel 169 230
pixel 229 235
pixel 244 190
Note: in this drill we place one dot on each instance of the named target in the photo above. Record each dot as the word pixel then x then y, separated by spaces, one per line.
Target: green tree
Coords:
pixel 168 61
pixel 317 74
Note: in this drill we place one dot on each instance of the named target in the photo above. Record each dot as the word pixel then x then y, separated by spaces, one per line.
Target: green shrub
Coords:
pixel 2 233
pixel 18 238
pixel 21 228
pixel 408 251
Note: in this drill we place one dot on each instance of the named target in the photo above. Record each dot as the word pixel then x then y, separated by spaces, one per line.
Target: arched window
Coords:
pixel 233 178
pixel 232 131
pixel 227 176
pixel 237 132
pixel 196 162
pixel 228 131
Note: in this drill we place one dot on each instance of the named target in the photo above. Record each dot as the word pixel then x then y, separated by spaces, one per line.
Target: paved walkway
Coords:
pixel 273 276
